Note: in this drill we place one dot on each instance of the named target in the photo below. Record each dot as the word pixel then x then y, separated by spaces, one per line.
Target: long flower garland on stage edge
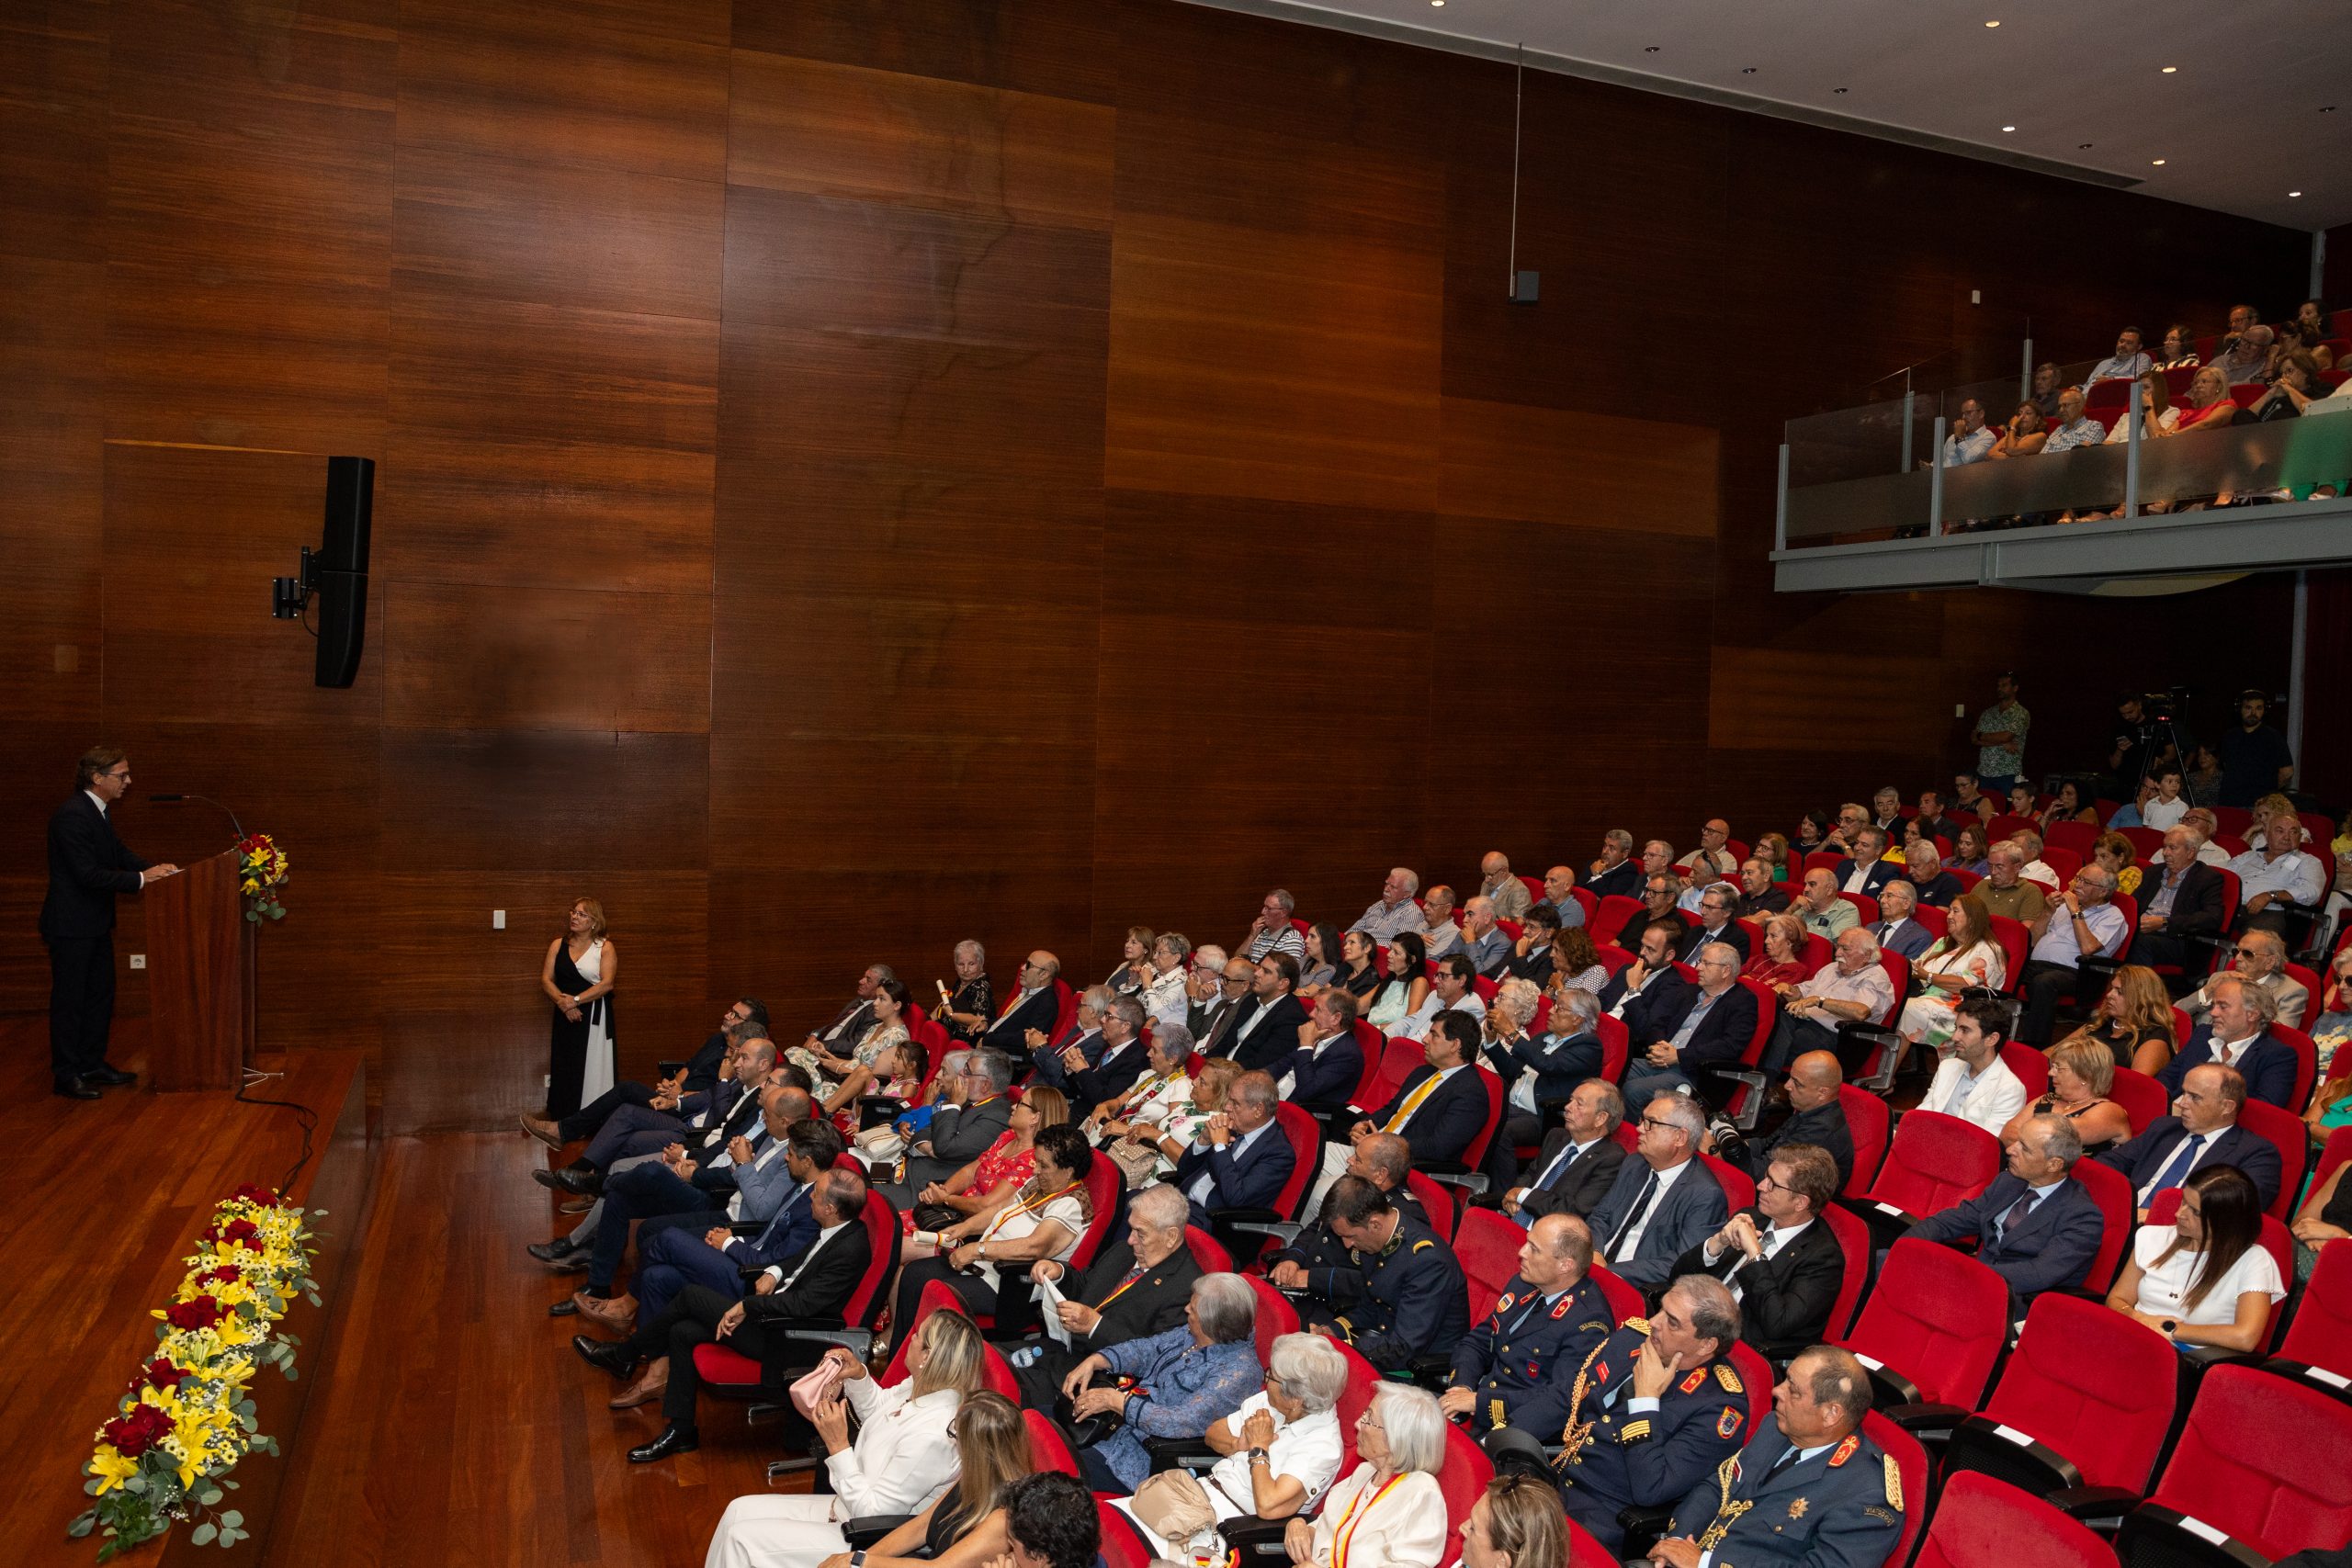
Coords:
pixel 188 1417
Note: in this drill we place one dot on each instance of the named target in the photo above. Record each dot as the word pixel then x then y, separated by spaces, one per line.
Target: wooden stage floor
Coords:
pixel 448 1420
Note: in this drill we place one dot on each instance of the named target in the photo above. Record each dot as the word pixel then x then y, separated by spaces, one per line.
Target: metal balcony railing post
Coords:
pixel 1780 509
pixel 1905 467
pixel 1936 481
pixel 2131 460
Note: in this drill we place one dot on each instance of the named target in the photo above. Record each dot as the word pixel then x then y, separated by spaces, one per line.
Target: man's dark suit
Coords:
pixel 821 1290
pixel 1442 1126
pixel 1693 1209
pixel 1322 1081
pixel 2196 911
pixel 1046 1062
pixel 959 1134
pixel 1210 1021
pixel 1879 874
pixel 1657 990
pixel 1010 1033
pixel 2146 1156
pixel 1938 891
pixel 1270 1039
pixel 1629 935
pixel 1718 1040
pixel 2269 1066
pixel 1771 901
pixel 1905 938
pixel 1576 1188
pixel 1107 1079
pixel 2047 1250
pixel 1619 881
pixel 1253 1181
pixel 1785 1300
pixel 1698 936
pixel 1534 965
pixel 1153 1303
pixel 87 867
pixel 1824 1127
pixel 1559 1062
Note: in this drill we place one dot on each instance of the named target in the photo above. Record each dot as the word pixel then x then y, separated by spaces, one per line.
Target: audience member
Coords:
pixel 1704 1027
pixel 2133 1022
pixel 1453 989
pixel 1897 929
pixel 1136 1287
pixel 1711 858
pixel 2179 900
pixel 1134 970
pixel 1969 440
pixel 1147 1130
pixel 903 1458
pixel 1394 912
pixel 2179 351
pixel 1854 988
pixel 1964 958
pixel 2206 1279
pixel 1441 1106
pixel 2082 924
pixel 1389 1505
pixel 1407 989
pixel 1271 932
pixel 2129 360
pixel 1320 966
pixel 1169 1385
pixel 1783 1269
pixel 1841 1513
pixel 1821 911
pixel 1438 931
pixel 1281 1447
pixel 1515 1523
pixel 1320 1073
pixel 1718 906
pixel 1241 1160
pixel 1050 1522
pixel 1265 1030
pixel 1580 1160
pixel 971 1114
pixel 1402 1293
pixel 1531 956
pixel 1866 870
pixel 1816 1116
pixel 1080 1046
pixel 1783 961
pixel 2035 1227
pixel 1660 891
pixel 2202 1130
pixel 969 1522
pixel 1615 872
pixel 2255 757
pixel 1488 950
pixel 2027 432
pixel 1650 980
pixel 1559 892
pixel 1665 1202
pixel 2081 1073
pixel 1047 1218
pixel 1508 893
pixel 1930 881
pixel 2208 404
pixel 2244 354
pixel 1758 894
pixel 2280 875
pixel 1165 997
pixel 2004 891
pixel 2000 736
pixel 1576 963
pixel 1972 1082
pixel 2238 1012
pixel 1218 987
pixel 1034 1005
pixel 2046 389
pixel 1513 1369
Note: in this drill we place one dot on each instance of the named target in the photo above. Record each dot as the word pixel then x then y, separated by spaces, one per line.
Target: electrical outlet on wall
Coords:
pixel 1959 710
pixel 498 919
pixel 138 961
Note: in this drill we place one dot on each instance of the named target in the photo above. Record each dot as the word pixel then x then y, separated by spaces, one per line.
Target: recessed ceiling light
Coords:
pixel 1437 2
pixel 2294 193
pixel 2008 128
pixel 1992 24
pixel 2159 163
pixel 2169 70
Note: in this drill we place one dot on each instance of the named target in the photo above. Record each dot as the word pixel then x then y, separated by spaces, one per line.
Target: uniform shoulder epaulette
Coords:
pixel 1638 1325
pixel 1729 1378
pixel 1418 1245
pixel 1893 1483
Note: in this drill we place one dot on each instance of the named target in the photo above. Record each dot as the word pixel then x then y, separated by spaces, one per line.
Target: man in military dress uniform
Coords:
pixel 1515 1368
pixel 1810 1492
pixel 1651 1413
pixel 1306 1265
pixel 1404 1294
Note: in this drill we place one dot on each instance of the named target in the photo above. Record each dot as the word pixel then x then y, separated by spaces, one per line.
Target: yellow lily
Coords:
pixel 112 1469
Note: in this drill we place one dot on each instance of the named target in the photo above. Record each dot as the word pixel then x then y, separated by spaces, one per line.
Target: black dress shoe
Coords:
pixel 673 1440
pixel 572 1263
pixel 569 1308
pixel 616 1357
pixel 108 1074
pixel 554 1251
pixel 580 1180
pixel 74 1089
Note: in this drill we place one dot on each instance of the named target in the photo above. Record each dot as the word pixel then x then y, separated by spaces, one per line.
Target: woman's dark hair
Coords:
pixel 1069 1148
pixel 894 989
pixel 1818 821
pixel 1417 957
pixel 2233 1218
pixel 1574 952
pixel 1328 936
pixel 917 1058
pixel 1052 1516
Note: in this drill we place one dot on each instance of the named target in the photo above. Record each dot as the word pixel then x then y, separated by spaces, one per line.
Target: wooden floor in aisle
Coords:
pixel 457 1426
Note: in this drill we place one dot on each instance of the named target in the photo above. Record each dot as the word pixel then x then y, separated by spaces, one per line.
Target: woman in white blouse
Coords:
pixel 1282 1448
pixel 903 1458
pixel 1407 985
pixel 1388 1512
pixel 1047 1218
pixel 1156 1119
pixel 2206 1279
pixel 1163 993
pixel 1965 956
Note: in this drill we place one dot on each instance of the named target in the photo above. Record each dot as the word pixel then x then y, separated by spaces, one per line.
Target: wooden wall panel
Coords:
pixel 857 475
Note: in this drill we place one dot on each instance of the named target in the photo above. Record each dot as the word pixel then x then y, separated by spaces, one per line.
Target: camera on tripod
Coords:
pixel 2162 708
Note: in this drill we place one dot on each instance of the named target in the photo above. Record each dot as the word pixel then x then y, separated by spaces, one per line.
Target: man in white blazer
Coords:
pixel 1972 1082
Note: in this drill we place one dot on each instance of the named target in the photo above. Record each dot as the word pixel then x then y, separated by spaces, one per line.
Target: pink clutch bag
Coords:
pixel 814 1385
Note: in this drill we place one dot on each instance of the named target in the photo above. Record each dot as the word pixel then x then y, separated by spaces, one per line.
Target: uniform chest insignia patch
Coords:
pixel 1726 1376
pixel 1691 1385
pixel 1533 1371
pixel 1797 1508
pixel 1727 1423
pixel 1845 1451
pixel 1600 1371
pixel 1561 1309
pixel 1503 1305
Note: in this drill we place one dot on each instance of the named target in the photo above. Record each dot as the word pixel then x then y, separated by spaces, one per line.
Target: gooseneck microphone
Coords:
pixel 175 799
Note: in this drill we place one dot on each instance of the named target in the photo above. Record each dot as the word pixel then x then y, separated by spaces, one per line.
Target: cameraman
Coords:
pixel 2144 740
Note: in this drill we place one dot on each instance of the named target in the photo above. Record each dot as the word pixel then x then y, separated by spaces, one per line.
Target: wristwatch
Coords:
pixel 857 1560
pixel 1257 1456
pixel 2172 1325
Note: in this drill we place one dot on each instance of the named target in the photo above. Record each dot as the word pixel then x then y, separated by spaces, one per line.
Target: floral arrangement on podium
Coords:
pixel 187 1416
pixel 261 871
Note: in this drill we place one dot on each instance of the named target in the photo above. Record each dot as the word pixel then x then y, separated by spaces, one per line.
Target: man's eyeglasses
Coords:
pixel 1654 1121
pixel 2247 951
pixel 1766 1184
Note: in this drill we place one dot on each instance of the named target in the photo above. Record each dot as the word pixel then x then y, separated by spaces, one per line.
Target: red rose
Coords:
pixel 134 1433
pixel 253 1194
pixel 244 1233
pixel 159 1373
pixel 220 1276
pixel 202 1311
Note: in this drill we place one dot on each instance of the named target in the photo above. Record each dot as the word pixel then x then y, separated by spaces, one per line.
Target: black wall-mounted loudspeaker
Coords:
pixel 338 573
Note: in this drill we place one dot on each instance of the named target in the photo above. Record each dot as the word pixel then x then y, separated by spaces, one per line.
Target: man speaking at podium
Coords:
pixel 87 867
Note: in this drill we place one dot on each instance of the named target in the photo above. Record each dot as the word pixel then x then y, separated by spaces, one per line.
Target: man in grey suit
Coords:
pixel 1580 1162
pixel 962 1131
pixel 1664 1203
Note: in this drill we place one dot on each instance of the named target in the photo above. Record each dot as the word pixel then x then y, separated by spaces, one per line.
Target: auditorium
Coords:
pixel 864 509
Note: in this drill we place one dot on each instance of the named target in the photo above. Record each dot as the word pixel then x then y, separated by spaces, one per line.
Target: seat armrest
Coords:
pixel 669 1069
pixel 2094 1506
pixel 2333 1384
pixel 1179 1453
pixel 1452 1173
pixel 2153 1533
pixel 829 1334
pixel 1928 1422
pixel 1259 1222
pixel 1642 1526
pixel 1256 1540
pixel 1997 1450
pixel 1891 1386
pixel 1758 1093
pixel 864 1532
pixel 748 1230
pixel 1431 1370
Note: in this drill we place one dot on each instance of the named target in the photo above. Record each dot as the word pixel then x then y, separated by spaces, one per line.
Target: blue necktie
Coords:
pixel 1560 1162
pixel 2176 1168
pixel 782 1215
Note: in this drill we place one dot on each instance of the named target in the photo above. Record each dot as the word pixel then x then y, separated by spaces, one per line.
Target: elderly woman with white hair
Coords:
pixel 1282 1449
pixel 1388 1509
pixel 1175 1384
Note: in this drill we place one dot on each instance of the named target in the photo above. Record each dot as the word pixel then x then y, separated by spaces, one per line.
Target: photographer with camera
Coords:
pixel 2144 738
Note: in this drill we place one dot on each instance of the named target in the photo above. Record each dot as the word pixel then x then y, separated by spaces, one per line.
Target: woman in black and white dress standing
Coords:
pixel 582 968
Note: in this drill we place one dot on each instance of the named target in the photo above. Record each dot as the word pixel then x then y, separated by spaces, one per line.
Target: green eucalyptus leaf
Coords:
pixel 233 1519
pixel 81 1525
pixel 202 1535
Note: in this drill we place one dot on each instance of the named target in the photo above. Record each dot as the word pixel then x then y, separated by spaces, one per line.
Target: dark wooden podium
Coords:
pixel 199 977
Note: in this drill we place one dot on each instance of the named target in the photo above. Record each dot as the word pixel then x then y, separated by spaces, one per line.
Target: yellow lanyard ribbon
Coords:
pixel 1357 1508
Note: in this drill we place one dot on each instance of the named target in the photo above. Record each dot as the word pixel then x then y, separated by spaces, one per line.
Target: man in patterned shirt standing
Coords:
pixel 2000 738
